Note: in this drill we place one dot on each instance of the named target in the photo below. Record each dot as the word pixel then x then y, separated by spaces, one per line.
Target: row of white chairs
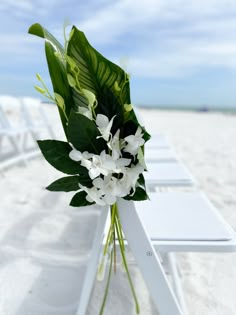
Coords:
pixel 171 221
pixel 22 122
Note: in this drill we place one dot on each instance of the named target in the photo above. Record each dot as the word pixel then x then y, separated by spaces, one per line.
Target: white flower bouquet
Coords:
pixel 103 156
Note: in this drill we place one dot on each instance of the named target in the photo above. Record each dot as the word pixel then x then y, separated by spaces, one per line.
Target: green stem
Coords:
pixel 118 225
pixel 128 274
pixel 115 231
pixel 107 286
pixel 46 89
pixel 119 233
pixel 114 248
pixel 111 228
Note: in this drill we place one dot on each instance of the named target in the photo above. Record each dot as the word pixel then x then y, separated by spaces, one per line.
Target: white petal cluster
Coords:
pixel 134 142
pixel 112 175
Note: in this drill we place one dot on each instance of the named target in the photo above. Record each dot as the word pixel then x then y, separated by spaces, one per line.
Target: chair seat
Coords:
pixel 158 141
pixel 160 155
pixel 181 216
pixel 13 131
pixel 167 174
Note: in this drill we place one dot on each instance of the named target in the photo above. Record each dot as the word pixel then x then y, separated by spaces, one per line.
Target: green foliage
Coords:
pixel 77 71
pixel 57 68
pixel 57 154
pixel 68 183
pixel 79 200
pixel 139 195
pixel 110 107
pixel 95 71
pixel 83 133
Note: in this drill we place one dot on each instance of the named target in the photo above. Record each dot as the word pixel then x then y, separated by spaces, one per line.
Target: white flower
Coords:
pixel 93 195
pixel 77 156
pixel 131 176
pixel 104 125
pixel 141 158
pixel 114 145
pixel 106 190
pixel 109 185
pixel 99 164
pixel 85 112
pixel 134 142
pixel 111 188
pixel 109 199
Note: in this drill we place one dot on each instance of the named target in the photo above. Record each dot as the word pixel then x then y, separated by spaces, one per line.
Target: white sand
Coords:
pixel 45 244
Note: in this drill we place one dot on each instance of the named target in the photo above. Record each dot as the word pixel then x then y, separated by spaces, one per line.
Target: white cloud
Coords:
pixel 16 43
pixel 25 5
pixel 22 8
pixel 170 38
pixel 118 18
pixel 173 38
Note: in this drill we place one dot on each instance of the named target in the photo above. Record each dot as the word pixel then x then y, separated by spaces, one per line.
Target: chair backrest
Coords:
pixel 35 117
pixel 31 110
pixel 10 112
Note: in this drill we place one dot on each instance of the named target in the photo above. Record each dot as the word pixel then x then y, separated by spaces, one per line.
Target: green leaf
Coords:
pixel 139 195
pixel 109 106
pixel 141 181
pixel 39 89
pixel 60 101
pixel 68 183
pixel 38 76
pixel 146 135
pixel 128 128
pixel 57 68
pixel 57 154
pixel 83 133
pixel 79 200
pixel 96 72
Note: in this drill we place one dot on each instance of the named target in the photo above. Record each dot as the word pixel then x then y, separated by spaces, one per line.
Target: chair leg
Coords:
pixel 18 145
pixel 93 263
pixel 170 260
pixel 147 259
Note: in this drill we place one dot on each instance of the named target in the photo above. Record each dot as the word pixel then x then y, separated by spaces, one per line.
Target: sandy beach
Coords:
pixel 45 244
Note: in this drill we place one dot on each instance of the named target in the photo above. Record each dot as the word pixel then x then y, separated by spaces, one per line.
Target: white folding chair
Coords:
pixel 14 128
pixel 167 174
pixel 160 155
pixel 184 222
pixel 158 141
pixel 14 132
pixel 167 223
pixel 35 118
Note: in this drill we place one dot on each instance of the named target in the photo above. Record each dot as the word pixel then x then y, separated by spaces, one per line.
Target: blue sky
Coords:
pixel 178 52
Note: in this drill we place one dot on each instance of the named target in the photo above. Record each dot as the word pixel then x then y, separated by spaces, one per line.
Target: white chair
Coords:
pixel 15 132
pixel 160 155
pixel 167 223
pixel 167 174
pixel 14 128
pixel 158 141
pixel 35 118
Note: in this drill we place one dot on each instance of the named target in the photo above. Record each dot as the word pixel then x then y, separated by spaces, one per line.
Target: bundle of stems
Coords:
pixel 115 234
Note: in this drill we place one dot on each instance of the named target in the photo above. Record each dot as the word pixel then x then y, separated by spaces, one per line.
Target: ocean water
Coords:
pixel 200 108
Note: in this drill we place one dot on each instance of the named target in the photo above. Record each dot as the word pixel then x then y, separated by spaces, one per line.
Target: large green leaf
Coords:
pixel 57 154
pixel 96 72
pixel 83 133
pixel 79 200
pixel 56 67
pixel 68 183
pixel 109 103
pixel 139 195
